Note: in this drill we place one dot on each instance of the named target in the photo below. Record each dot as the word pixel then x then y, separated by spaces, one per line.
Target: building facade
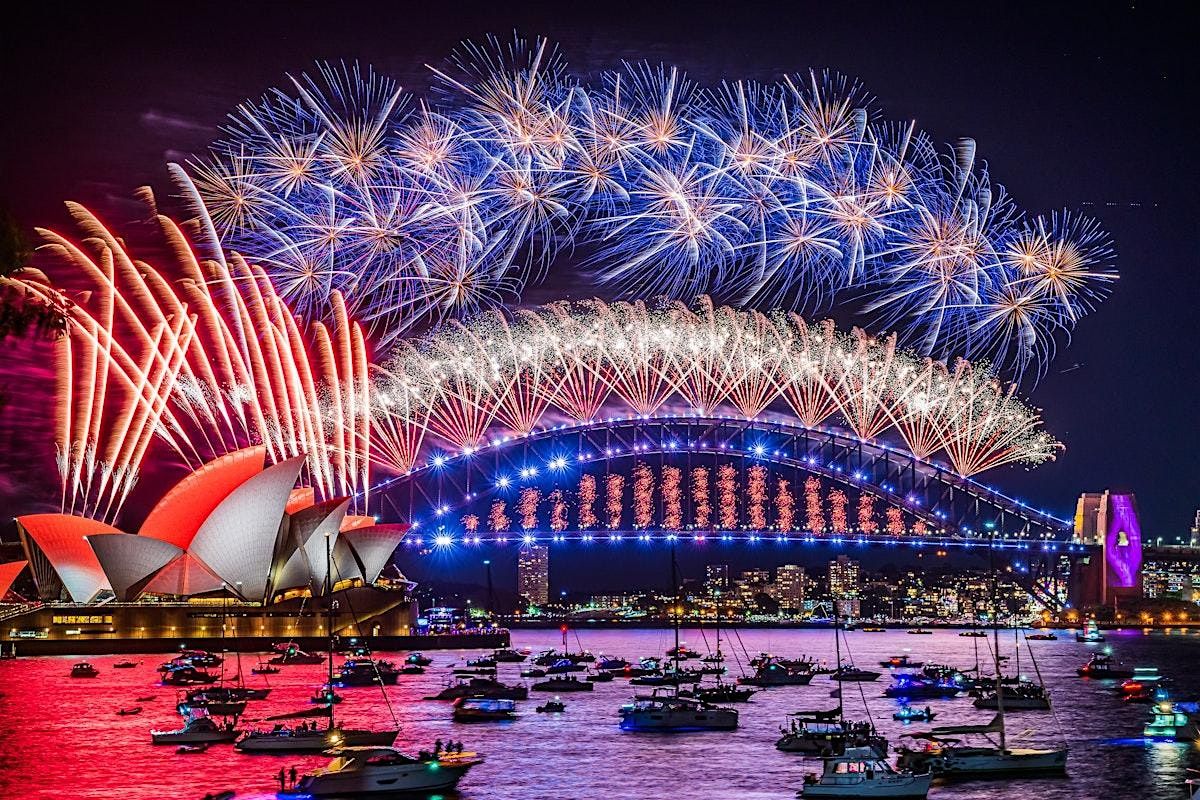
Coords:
pixel 845 586
pixel 533 574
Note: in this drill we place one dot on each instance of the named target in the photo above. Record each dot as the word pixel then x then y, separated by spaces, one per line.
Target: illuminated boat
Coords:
pixel 561 684
pixel 84 669
pixel 508 656
pixel 945 754
pixel 1144 680
pixel 290 654
pixel 366 672
pixel 669 713
pixel 418 660
pixel 722 693
pixel 199 729
pixel 1019 696
pixel 384 771
pixel 1171 722
pixel 850 673
pixel 478 709
pixel 186 676
pixel 1091 633
pixel 482 687
pixel 914 687
pixel 778 673
pixel 827 733
pixel 862 773
pixel 682 653
pixel 908 714
pixel 1102 665
pixel 311 739
pixel 1041 637
pixel 901 662
pixel 974 634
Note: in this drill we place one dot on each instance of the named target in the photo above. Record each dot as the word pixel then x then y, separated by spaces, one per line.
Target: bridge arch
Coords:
pixel 935 500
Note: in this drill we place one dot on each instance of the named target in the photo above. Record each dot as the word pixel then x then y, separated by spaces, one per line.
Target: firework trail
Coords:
pixel 796 194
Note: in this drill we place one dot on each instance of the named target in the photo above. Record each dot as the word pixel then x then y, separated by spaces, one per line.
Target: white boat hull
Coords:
pixel 993 763
pixel 859 785
pixel 666 721
pixel 383 780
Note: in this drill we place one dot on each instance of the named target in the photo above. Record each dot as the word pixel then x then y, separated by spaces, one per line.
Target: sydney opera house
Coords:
pixel 233 551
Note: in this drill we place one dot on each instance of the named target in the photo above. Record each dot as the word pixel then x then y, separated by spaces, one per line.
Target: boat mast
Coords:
pixel 996 638
pixel 675 591
pixel 329 620
pixel 837 649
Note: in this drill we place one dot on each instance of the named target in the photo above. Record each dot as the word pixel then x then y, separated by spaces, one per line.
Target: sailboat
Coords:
pixel 1017 694
pixel 829 733
pixel 664 710
pixel 310 737
pixel 945 754
pixel 722 692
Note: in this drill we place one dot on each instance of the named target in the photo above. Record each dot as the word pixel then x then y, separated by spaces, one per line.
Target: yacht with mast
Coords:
pixel 861 772
pixel 384 772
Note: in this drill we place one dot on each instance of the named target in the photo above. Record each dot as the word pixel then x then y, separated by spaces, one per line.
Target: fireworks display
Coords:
pixel 471 382
pixel 203 356
pixel 795 194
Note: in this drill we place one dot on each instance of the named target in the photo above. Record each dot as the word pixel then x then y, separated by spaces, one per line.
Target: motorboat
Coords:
pixel 533 672
pixel 974 634
pixel 1144 680
pixel 821 733
pixel 554 706
pixel 507 655
pixel 714 658
pixel 1021 696
pixel 325 696
pixel 479 709
pixel 412 669
pixel 907 714
pixel 682 653
pixel 220 708
pixel 664 711
pixel 227 693
pixel 265 669
pixel 917 687
pixel 860 772
pixel 561 684
pixel 418 659
pixel 84 669
pixel 483 661
pixel 191 749
pixel 1091 633
pixel 551 657
pixel 778 673
pixel 919 632
pixel 873 629
pixel 311 739
pixel 944 753
pixel 564 666
pixel 901 662
pixel 670 677
pixel 1102 665
pixel 125 664
pixel 1172 722
pixel 129 712
pixel 851 673
pixel 199 658
pixel 609 664
pixel 384 771
pixel 292 655
pixel 599 677
pixel 198 729
pixel 722 693
pixel 365 672
pixel 1041 637
pixel 186 676
pixel 482 687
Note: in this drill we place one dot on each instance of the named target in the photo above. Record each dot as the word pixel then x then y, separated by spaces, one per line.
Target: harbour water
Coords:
pixel 61 737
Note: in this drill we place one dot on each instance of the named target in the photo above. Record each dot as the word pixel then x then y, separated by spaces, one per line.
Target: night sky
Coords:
pixel 1086 107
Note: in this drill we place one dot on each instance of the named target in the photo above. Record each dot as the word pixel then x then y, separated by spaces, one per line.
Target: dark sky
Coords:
pixel 1079 106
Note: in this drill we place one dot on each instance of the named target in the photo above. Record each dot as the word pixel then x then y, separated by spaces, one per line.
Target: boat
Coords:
pixel 265 669
pixel 599 677
pixel 1144 679
pixel 820 733
pixel 901 662
pixel 1172 722
pixel 564 666
pixel 507 655
pixel 412 669
pixel 199 728
pixel 610 664
pixel 418 660
pixel 186 676
pixel 908 714
pixel 919 632
pixel 1041 637
pixel 665 711
pixel 325 696
pixel 220 708
pixel 129 712
pixel 482 687
pixel 682 653
pixel 1019 696
pixel 945 754
pixel 199 658
pixel 873 629
pixel 974 634
pixel 560 684
pixel 125 664
pixel 483 661
pixel 554 706
pixel 385 771
pixel 227 694
pixel 289 654
pixel 917 687
pixel 777 673
pixel 861 772
pixel 84 669
pixel 721 693
pixel 365 672
pixel 146 698
pixel 480 709
pixel 1091 633
pixel 714 658
pixel 848 672
pixel 1102 665
pixel 191 749
pixel 533 672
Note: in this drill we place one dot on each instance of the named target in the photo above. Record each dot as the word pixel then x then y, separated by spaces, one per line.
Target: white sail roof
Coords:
pixel 306 561
pixel 129 560
pixel 374 546
pixel 237 541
